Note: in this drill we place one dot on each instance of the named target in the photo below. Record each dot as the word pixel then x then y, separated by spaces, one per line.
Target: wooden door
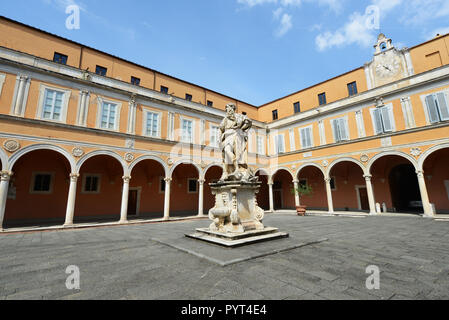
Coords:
pixel 364 203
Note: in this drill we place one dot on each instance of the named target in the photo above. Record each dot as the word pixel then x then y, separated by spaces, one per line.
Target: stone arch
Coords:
pixel 148 157
pixel 427 153
pixel 177 163
pixel 265 171
pixel 3 159
pixel 102 153
pixel 345 159
pixel 214 164
pixel 390 153
pixel 273 172
pixel 310 164
pixel 16 156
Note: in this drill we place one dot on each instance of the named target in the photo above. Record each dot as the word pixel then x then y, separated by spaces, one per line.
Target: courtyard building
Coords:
pixel 86 136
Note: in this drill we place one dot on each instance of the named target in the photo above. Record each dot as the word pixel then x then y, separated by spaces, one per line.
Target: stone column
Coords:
pixel 270 186
pixel 132 106
pixel 5 176
pixel 296 186
pixel 167 199
pixel 330 204
pixel 125 196
pixel 71 200
pixel 424 196
pixel 20 95
pixel 370 192
pixel 201 197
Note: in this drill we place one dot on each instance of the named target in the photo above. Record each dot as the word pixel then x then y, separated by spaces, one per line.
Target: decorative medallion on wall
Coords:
pixel 77 152
pixel 11 145
pixel 325 163
pixel 129 157
pixel 415 152
pixel 203 164
pixel 364 158
pixel 293 166
pixel 170 161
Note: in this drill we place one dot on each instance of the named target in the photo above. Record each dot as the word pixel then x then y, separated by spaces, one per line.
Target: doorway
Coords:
pixel 362 197
pixel 404 188
pixel 133 202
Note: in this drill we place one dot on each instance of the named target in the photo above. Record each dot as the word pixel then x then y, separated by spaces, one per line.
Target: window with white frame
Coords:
pixel 53 104
pixel 340 129
pixel 192 185
pixel 306 136
pixel 187 131
pixel 152 124
pixel 260 145
pixel 383 119
pixel 214 136
pixel 437 107
pixel 91 183
pixel 279 142
pixel 109 116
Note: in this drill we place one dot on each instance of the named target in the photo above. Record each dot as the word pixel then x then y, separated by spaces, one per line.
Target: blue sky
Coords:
pixel 253 50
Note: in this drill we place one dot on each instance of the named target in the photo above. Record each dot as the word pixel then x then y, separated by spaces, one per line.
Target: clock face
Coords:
pixel 387 69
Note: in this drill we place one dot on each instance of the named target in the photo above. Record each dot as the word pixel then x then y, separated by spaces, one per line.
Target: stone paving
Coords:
pixel 126 262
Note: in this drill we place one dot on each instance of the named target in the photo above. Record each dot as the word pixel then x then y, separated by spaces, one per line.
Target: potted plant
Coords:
pixel 304 189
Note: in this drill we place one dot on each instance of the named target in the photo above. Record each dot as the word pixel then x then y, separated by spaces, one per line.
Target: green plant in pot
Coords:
pixel 303 189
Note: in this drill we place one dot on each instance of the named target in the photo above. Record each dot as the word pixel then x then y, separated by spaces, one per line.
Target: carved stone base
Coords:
pixel 236 209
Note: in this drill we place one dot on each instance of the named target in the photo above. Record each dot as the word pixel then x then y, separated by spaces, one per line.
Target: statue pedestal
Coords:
pixel 237 219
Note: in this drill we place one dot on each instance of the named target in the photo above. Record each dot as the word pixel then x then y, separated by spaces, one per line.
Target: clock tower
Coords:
pixel 388 65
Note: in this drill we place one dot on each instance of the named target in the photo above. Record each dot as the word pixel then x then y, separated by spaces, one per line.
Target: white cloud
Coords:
pixel 277 13
pixel 252 3
pixel 419 12
pixel 286 25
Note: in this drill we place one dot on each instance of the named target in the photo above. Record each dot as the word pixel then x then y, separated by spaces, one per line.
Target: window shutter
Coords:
pixel 442 104
pixel 309 137
pixel 432 109
pixel 377 120
pixel 344 129
pixel 335 126
pixel 303 138
pixel 386 117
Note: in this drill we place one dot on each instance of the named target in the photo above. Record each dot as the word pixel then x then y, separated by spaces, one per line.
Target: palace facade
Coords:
pixel 87 136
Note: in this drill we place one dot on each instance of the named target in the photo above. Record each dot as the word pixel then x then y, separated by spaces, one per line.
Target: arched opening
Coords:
pixel 395 185
pixel 146 190
pixel 184 191
pixel 99 190
pixel 348 187
pixel 283 197
pixel 263 197
pixel 314 177
pixel 37 193
pixel 213 174
pixel 436 174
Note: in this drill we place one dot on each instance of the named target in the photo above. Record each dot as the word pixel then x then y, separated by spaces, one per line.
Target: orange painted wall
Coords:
pixel 431 54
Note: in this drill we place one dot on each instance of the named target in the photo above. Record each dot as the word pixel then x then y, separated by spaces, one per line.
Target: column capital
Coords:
pixel 201 181
pixel 420 173
pixel 5 175
pixel 367 177
pixel 126 179
pixel 327 180
pixel 74 177
pixel 167 180
pixel 295 181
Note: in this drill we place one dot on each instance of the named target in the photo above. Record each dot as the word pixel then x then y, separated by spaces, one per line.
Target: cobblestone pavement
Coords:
pixel 123 262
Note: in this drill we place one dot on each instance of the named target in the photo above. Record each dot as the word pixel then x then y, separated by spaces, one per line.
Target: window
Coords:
pixel 164 89
pixel 260 145
pixel 152 124
pixel 135 81
pixel 340 129
pixel 280 146
pixel 296 107
pixel 42 183
pixel 187 131
pixel 188 97
pixel 210 103
pixel 214 136
pixel 91 183
pixel 60 58
pixel 306 137
pixel 437 107
pixel 322 98
pixel 352 88
pixel 333 185
pixel 53 104
pixel 101 71
pixel 108 116
pixel 275 114
pixel 161 185
pixel 383 120
pixel 192 185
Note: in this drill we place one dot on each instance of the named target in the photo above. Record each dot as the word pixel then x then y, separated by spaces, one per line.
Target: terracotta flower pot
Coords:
pixel 301 210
